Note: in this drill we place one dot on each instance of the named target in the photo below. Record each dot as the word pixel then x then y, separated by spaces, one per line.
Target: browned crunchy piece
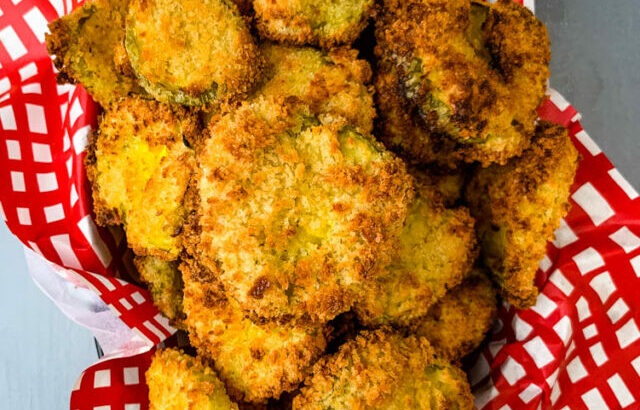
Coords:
pixel 177 381
pixel 87 45
pixel 471 72
pixel 435 251
pixel 296 211
pixel 447 185
pixel 255 361
pixel 314 22
pixel 458 323
pixel 334 82
pixel 383 370
pixel 165 285
pixel 519 206
pixel 139 168
pixel 191 52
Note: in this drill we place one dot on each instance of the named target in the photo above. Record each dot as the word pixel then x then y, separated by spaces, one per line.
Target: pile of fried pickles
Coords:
pixel 330 197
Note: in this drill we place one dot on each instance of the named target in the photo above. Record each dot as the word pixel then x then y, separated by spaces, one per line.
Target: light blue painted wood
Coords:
pixel 42 352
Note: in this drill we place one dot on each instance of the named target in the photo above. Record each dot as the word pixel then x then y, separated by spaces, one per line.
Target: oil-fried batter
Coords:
pixel 85 44
pixel 297 212
pixel 165 285
pixel 334 82
pixel 256 362
pixel 518 207
pixel 314 22
pixel 447 185
pixel 139 167
pixel 458 323
pixel 191 52
pixel 435 251
pixel 177 382
pixel 383 370
pixel 473 72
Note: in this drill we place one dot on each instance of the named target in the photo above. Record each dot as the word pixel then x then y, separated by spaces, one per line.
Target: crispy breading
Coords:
pixel 85 44
pixel 297 211
pixel 314 22
pixel 519 206
pixel 165 285
pixel 447 185
pixel 334 82
pixel 475 72
pixel 177 382
pixel 383 370
pixel 458 323
pixel 435 251
pixel 191 52
pixel 256 362
pixel 139 168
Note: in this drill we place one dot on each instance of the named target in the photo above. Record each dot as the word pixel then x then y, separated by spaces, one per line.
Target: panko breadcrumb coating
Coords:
pixel 178 382
pixel 191 52
pixel 256 362
pixel 139 168
pixel 458 323
pixel 473 72
pixel 314 22
pixel 86 44
pixel 165 285
pixel 519 206
pixel 383 370
pixel 447 185
pixel 334 82
pixel 297 212
pixel 435 251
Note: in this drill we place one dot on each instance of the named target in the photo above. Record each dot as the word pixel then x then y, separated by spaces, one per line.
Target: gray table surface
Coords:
pixel 596 60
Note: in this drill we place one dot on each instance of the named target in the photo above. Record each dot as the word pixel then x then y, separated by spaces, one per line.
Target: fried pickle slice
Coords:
pixel 435 251
pixel 256 362
pixel 474 72
pixel 313 22
pixel 383 370
pixel 139 168
pixel 178 381
pixel 296 210
pixel 458 323
pixel 446 185
pixel 165 285
pixel 334 82
pixel 85 44
pixel 519 206
pixel 191 52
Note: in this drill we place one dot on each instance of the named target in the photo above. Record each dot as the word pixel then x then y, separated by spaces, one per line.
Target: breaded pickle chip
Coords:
pixel 191 52
pixel 85 44
pixel 315 22
pixel 458 323
pixel 474 72
pixel 383 370
pixel 334 82
pixel 435 251
pixel 165 284
pixel 519 206
pixel 256 362
pixel 139 167
pixel 177 381
pixel 447 185
pixel 296 211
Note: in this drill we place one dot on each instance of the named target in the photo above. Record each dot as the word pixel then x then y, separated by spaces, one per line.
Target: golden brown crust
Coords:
pixel 177 381
pixel 334 82
pixel 435 251
pixel 139 168
pixel 87 45
pixel 519 206
pixel 256 362
pixel 465 76
pixel 165 285
pixel 313 22
pixel 458 323
pixel 383 370
pixel 297 212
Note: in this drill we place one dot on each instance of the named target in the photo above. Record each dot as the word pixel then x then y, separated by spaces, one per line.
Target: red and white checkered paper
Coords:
pixel 578 348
